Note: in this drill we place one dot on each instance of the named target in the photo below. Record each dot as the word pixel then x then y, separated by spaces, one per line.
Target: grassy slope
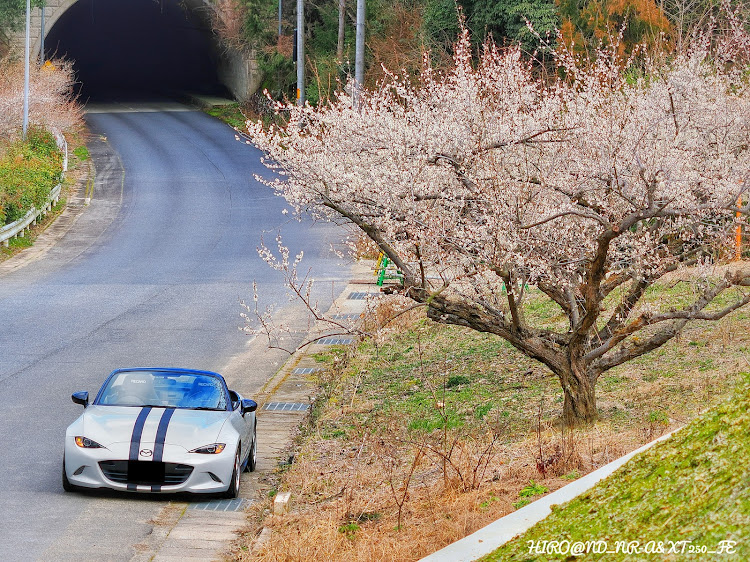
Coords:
pixel 408 384
pixel 694 487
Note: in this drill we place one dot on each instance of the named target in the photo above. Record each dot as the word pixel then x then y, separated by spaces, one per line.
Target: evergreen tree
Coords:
pixel 12 13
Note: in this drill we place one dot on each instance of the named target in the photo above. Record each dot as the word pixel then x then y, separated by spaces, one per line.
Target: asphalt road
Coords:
pixel 150 275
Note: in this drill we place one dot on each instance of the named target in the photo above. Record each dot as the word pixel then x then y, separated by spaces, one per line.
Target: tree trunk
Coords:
pixel 579 406
pixel 340 42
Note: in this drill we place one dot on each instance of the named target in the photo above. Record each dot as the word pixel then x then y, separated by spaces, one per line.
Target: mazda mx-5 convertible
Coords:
pixel 161 430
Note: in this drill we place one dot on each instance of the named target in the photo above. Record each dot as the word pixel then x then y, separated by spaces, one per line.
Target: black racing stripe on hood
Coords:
pixel 135 440
pixel 161 434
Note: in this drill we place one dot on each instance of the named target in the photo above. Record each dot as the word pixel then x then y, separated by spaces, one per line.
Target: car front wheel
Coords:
pixel 252 458
pixel 234 486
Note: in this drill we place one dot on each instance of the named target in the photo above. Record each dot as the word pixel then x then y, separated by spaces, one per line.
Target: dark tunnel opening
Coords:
pixel 136 49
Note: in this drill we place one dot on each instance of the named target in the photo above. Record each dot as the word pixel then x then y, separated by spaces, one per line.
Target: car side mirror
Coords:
pixel 235 399
pixel 81 398
pixel 248 406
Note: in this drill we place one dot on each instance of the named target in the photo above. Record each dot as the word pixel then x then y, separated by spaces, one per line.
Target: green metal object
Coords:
pixel 386 270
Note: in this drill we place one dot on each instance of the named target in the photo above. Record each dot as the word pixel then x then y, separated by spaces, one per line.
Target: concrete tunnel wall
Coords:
pixel 236 70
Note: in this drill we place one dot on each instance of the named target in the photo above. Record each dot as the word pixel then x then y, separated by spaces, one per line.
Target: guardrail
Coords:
pixel 18 228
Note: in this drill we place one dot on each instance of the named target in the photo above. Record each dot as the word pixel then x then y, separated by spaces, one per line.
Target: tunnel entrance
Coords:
pixel 125 49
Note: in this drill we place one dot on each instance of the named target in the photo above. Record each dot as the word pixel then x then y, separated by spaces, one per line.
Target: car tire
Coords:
pixel 67 486
pixel 234 486
pixel 252 458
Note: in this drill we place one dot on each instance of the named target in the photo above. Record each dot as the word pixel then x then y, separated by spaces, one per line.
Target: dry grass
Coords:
pixel 227 19
pixel 346 508
pixel 52 103
pixel 396 463
pixel 397 48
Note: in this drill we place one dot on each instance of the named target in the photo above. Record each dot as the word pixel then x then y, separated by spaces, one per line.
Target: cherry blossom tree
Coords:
pixel 491 188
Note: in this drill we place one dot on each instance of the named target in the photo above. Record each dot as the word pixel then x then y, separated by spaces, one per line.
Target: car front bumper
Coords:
pixel 211 473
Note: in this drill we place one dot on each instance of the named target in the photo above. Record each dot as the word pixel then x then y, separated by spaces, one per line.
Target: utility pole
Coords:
pixel 41 37
pixel 280 10
pixel 359 58
pixel 300 52
pixel 27 52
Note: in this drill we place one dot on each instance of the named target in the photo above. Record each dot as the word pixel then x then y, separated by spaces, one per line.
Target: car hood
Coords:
pixel 187 428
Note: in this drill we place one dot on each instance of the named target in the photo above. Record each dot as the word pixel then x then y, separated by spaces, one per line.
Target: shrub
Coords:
pixel 28 171
pixel 52 100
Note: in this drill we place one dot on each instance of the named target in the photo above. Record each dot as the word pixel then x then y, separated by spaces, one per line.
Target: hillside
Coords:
pixel 687 498
pixel 490 413
pixel 399 32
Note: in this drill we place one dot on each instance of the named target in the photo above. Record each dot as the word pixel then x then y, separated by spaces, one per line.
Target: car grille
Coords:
pixel 148 473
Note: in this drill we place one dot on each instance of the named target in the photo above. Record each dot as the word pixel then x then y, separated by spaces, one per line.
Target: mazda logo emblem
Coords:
pixel 146 452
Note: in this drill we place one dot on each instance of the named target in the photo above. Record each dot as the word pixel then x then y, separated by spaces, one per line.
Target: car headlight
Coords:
pixel 86 443
pixel 212 449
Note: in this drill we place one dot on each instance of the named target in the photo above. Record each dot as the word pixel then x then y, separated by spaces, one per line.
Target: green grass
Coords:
pixel 231 114
pixel 694 487
pixel 82 153
pixel 441 377
pixel 15 245
pixel 20 242
pixel 529 492
pixel 349 530
pixel 433 376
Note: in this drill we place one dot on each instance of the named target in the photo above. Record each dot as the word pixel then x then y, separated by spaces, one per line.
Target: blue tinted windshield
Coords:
pixel 164 388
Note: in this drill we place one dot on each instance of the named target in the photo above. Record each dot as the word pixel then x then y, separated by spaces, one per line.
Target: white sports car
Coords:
pixel 161 430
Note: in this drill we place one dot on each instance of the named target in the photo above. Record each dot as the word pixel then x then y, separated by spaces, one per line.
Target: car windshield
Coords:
pixel 164 389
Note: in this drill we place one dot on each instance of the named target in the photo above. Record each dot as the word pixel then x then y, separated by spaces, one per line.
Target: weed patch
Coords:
pixel 231 114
